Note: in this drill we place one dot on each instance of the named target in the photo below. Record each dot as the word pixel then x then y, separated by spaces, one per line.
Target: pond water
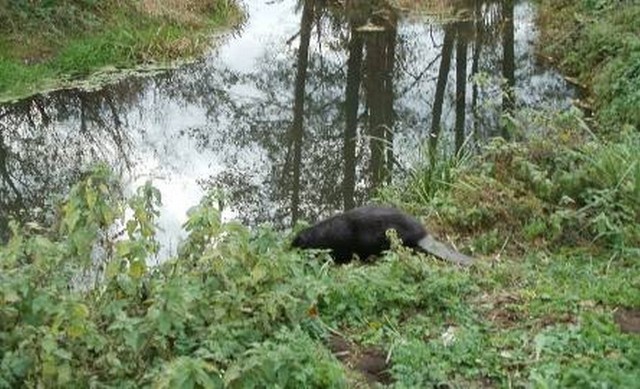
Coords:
pixel 302 111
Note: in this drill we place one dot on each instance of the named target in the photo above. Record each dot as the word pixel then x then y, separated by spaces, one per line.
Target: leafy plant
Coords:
pixel 239 308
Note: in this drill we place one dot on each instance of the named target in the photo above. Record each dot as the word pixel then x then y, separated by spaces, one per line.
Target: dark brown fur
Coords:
pixel 362 231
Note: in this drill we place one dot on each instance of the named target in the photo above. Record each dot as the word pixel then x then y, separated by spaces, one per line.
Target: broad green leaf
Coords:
pixel 137 269
pixel 49 369
pixel 10 296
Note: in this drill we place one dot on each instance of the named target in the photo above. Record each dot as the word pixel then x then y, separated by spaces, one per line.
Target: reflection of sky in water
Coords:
pixel 168 161
pixel 535 85
pixel 176 142
pixel 173 162
pixel 176 163
pixel 268 22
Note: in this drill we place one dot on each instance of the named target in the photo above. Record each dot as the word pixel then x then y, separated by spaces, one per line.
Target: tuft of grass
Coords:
pixel 45 44
pixel 597 42
pixel 565 187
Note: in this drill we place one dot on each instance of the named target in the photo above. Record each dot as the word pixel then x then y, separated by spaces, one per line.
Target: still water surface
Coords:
pixel 303 110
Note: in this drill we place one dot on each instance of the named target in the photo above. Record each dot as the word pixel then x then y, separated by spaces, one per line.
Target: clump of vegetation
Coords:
pixel 567 187
pixel 44 43
pixel 236 308
pixel 236 313
pixel 597 42
pixel 239 308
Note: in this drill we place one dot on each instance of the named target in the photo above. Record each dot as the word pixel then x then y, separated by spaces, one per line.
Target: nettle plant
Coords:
pixel 234 308
pixel 78 309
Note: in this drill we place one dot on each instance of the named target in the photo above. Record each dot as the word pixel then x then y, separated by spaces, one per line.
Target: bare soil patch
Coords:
pixel 628 319
pixel 371 362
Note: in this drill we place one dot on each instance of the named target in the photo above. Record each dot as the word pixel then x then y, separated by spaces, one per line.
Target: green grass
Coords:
pixel 566 188
pixel 48 45
pixel 555 219
pixel 597 42
pixel 239 308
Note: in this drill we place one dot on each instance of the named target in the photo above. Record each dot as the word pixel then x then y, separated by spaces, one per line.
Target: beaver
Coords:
pixel 362 231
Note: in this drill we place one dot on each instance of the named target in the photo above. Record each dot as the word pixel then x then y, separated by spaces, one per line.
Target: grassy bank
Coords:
pixel 239 308
pixel 556 221
pixel 47 44
pixel 597 43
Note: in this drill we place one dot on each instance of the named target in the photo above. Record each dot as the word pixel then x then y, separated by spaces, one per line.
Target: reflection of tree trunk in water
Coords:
pixel 441 85
pixel 388 97
pixel 354 70
pixel 508 65
pixel 84 125
pixel 83 117
pixel 380 53
pixel 4 169
pixel 43 113
pixel 375 52
pixel 298 105
pixel 477 48
pixel 117 134
pixel 461 87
